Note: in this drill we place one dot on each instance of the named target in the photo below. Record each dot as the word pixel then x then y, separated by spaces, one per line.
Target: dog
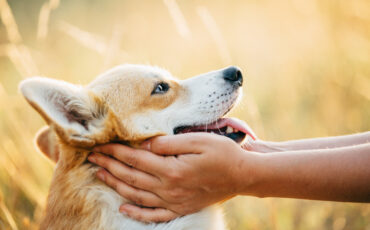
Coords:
pixel 127 104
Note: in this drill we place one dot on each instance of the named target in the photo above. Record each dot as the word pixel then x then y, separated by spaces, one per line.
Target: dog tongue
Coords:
pixel 232 122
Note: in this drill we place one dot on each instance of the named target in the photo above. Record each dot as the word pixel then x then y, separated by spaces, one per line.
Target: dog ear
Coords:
pixel 47 143
pixel 73 112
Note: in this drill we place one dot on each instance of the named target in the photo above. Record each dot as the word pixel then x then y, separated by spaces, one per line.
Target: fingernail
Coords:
pixel 100 175
pixel 250 138
pixel 146 145
pixel 122 210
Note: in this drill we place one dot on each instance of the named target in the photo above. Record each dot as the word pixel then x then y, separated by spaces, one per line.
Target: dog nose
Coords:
pixel 233 75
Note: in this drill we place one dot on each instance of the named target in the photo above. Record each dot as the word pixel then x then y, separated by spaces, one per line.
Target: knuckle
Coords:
pixel 113 184
pixel 131 179
pixel 108 164
pixel 119 188
pixel 179 208
pixel 132 160
pixel 159 146
pixel 200 139
pixel 104 162
pixel 100 161
pixel 175 194
pixel 139 217
pixel 115 154
pixel 162 144
pixel 184 209
pixel 157 219
pixel 174 175
pixel 137 199
pixel 106 148
pixel 195 142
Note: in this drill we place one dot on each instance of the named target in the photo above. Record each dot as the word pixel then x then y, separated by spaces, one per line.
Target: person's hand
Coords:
pixel 187 173
pixel 261 146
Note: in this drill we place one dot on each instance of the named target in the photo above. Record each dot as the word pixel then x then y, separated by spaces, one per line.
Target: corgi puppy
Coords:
pixel 127 104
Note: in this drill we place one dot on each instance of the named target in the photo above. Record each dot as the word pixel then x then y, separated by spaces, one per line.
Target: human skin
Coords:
pixel 176 175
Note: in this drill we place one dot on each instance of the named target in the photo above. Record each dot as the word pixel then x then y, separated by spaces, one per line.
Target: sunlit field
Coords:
pixel 306 66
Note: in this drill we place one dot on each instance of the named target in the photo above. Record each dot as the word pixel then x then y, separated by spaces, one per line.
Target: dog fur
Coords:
pixel 118 106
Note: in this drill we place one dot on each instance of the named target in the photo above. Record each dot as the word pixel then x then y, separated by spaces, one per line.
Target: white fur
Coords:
pixel 208 98
pixel 204 105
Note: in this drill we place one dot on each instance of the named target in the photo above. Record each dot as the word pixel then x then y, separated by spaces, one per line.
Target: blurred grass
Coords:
pixel 307 68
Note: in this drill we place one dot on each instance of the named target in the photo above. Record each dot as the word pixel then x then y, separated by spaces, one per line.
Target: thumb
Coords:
pixel 178 144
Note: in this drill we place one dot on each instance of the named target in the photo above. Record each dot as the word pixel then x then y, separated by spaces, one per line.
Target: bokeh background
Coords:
pixel 306 65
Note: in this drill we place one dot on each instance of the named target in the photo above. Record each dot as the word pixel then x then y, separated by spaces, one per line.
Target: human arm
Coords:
pixel 307 144
pixel 338 174
pixel 220 169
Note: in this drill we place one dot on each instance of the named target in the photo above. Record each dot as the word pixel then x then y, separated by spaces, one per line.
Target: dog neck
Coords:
pixel 67 207
pixel 77 200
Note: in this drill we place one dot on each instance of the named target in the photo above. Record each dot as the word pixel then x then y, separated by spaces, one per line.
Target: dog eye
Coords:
pixel 161 88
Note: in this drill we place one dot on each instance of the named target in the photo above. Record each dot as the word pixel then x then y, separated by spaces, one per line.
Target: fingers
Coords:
pixel 128 175
pixel 137 158
pixel 179 144
pixel 139 197
pixel 248 144
pixel 261 146
pixel 148 214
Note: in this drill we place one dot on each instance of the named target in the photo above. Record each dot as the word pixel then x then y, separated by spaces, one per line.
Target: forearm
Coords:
pixel 310 144
pixel 340 174
pixel 327 142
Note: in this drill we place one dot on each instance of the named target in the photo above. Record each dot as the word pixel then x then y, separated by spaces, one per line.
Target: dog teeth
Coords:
pixel 229 129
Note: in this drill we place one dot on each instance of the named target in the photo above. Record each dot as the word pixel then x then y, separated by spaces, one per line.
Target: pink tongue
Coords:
pixel 232 122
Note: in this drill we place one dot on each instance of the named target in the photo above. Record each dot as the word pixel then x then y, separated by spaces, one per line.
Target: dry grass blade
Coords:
pixel 4 50
pixel 85 38
pixel 14 170
pixel 96 42
pixel 21 57
pixel 18 54
pixel 361 84
pixel 113 48
pixel 9 22
pixel 210 24
pixel 7 214
pixel 178 18
pixel 46 9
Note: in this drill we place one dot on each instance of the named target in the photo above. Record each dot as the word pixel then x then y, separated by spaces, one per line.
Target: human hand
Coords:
pixel 174 175
pixel 261 146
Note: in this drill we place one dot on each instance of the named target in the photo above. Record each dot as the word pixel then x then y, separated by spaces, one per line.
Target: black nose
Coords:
pixel 233 75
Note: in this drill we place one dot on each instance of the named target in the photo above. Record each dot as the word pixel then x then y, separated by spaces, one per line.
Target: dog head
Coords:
pixel 131 103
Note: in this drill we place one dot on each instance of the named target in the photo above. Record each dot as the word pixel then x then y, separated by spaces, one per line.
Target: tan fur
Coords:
pixel 73 174
pixel 137 98
pixel 116 107
pixel 67 205
pixel 46 142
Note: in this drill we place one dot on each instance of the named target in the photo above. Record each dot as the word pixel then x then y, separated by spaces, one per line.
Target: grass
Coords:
pixel 306 63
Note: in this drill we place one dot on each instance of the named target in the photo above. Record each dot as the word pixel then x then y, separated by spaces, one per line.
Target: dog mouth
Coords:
pixel 232 128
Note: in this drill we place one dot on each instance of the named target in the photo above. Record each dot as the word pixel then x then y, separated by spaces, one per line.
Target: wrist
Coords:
pixel 250 173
